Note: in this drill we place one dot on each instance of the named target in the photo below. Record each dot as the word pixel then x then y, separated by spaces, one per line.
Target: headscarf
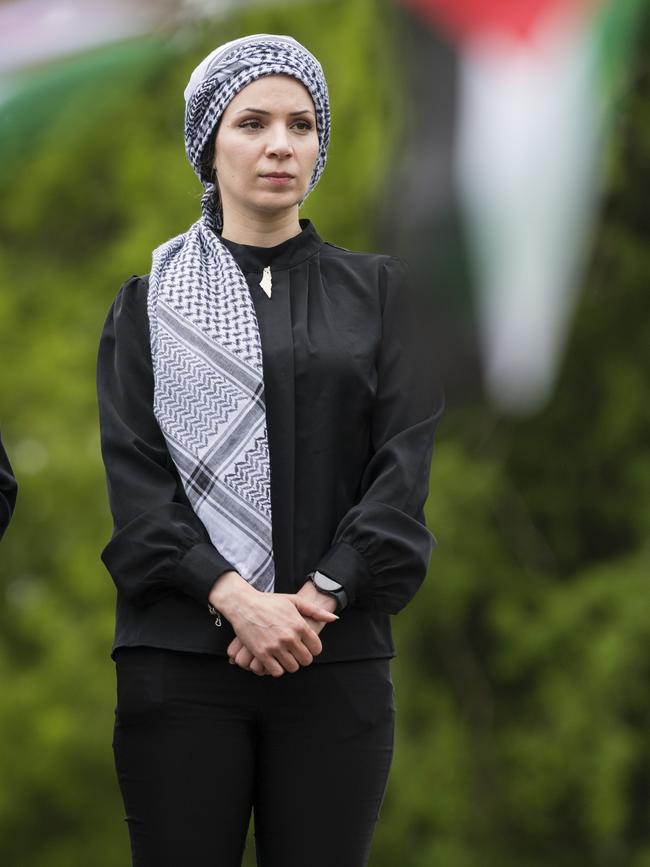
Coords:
pixel 223 73
pixel 205 342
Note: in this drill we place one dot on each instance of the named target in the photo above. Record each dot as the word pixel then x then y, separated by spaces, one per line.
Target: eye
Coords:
pixel 304 125
pixel 252 123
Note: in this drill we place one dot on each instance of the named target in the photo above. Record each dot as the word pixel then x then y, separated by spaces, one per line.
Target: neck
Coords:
pixel 257 231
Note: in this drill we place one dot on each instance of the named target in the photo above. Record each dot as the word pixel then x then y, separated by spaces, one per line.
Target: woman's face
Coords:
pixel 269 128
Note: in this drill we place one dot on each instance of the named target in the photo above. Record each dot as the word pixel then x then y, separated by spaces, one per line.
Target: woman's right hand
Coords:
pixel 271 625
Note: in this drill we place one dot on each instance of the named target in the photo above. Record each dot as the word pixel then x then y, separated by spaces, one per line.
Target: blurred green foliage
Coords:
pixel 523 734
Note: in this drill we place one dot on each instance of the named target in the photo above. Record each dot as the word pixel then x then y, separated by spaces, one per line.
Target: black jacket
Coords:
pixel 8 490
pixel 352 405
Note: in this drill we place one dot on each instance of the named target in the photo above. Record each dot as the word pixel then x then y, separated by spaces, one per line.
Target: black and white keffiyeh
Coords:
pixel 205 341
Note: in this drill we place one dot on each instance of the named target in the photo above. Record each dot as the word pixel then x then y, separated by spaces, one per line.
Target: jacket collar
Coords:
pixel 284 255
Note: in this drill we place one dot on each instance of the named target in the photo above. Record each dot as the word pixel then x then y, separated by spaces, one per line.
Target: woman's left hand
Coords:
pixel 240 655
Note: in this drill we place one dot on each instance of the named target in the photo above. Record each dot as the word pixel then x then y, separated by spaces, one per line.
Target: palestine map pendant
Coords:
pixel 266 282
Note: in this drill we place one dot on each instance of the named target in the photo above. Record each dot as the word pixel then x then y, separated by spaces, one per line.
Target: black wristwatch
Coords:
pixel 331 587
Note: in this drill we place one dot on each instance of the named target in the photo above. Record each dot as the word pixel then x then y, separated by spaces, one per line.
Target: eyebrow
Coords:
pixel 262 111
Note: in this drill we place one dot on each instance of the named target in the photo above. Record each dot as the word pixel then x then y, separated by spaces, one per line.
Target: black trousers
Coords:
pixel 199 743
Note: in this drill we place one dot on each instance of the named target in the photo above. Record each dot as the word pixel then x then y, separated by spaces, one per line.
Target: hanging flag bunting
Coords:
pixel 530 139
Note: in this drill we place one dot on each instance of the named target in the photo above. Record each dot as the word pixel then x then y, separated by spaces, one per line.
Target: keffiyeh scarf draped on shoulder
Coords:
pixel 205 341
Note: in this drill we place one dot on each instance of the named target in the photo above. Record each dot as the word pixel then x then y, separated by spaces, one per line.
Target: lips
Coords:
pixel 279 179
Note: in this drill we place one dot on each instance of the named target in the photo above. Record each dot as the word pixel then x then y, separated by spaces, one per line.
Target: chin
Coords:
pixel 277 202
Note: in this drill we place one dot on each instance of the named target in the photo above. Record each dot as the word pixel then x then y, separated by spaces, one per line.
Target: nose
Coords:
pixel 278 142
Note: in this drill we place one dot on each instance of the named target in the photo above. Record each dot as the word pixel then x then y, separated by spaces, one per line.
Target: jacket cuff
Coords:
pixel 345 564
pixel 198 569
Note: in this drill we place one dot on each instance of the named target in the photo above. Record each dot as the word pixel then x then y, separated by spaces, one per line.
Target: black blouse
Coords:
pixel 8 489
pixel 351 404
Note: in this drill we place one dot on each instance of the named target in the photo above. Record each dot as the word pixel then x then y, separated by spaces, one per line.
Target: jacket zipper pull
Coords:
pixel 213 611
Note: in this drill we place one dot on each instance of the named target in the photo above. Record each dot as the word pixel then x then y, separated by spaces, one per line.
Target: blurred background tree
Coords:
pixel 522 663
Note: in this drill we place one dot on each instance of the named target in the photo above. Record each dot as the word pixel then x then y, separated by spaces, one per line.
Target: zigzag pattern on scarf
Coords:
pixel 248 477
pixel 196 404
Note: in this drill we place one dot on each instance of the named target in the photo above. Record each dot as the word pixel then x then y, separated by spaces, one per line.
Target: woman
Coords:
pixel 8 489
pixel 259 371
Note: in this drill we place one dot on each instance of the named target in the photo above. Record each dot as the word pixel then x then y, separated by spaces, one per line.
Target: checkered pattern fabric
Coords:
pixel 209 395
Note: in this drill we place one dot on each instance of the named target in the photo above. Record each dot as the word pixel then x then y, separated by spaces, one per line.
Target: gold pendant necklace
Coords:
pixel 266 282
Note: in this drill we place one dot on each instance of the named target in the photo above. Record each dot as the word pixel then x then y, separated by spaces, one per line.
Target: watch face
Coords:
pixel 325 583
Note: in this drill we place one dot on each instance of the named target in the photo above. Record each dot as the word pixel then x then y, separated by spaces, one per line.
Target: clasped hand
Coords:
pixel 278 632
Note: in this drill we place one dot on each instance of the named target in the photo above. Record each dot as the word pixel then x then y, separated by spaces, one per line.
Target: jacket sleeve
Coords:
pixel 8 490
pixel 382 547
pixel 158 542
